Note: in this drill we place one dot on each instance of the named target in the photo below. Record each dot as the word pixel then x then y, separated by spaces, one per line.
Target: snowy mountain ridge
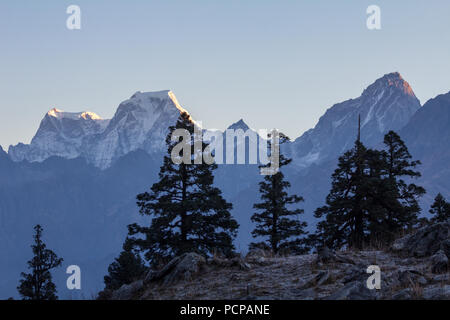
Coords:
pixel 140 122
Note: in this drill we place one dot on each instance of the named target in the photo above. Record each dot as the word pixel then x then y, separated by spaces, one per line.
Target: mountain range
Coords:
pixel 79 175
pixel 140 122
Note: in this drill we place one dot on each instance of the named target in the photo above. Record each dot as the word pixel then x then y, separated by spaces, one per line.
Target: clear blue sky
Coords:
pixel 274 63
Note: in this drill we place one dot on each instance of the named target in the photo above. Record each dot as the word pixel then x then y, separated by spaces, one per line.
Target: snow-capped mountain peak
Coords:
pixel 146 99
pixel 60 114
pixel 391 81
pixel 387 104
pixel 141 122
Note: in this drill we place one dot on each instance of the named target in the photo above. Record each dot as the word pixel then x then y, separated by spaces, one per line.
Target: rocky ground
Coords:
pixel 415 267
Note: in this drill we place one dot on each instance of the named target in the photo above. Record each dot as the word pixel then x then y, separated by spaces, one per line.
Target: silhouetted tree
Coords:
pixel 400 166
pixel 189 213
pixel 346 210
pixel 125 269
pixel 369 201
pixel 275 220
pixel 38 284
pixel 440 209
pixel 399 199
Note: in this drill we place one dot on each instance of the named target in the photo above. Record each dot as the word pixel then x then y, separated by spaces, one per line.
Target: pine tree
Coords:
pixel 346 210
pixel 349 203
pixel 38 284
pixel 125 269
pixel 440 209
pixel 189 213
pixel 369 201
pixel 379 198
pixel 399 198
pixel 275 220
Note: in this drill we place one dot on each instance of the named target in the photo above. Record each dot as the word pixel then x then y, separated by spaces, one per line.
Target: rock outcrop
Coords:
pixel 128 291
pixel 179 268
pixel 439 262
pixel 426 241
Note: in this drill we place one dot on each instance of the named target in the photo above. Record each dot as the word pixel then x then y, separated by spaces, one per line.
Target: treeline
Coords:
pixel 372 200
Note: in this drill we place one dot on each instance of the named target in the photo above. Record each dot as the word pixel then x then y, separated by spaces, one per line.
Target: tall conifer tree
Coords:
pixel 275 220
pixel 346 210
pixel 188 212
pixel 370 201
pixel 397 197
pixel 440 209
pixel 38 284
pixel 125 269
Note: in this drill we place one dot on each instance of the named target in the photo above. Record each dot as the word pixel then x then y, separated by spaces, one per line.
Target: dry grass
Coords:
pixel 286 277
pixel 417 291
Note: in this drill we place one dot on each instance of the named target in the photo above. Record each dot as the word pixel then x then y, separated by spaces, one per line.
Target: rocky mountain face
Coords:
pixel 427 136
pixel 428 130
pixel 387 104
pixel 3 154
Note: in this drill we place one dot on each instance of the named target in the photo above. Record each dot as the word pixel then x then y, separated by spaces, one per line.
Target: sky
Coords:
pixel 276 64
